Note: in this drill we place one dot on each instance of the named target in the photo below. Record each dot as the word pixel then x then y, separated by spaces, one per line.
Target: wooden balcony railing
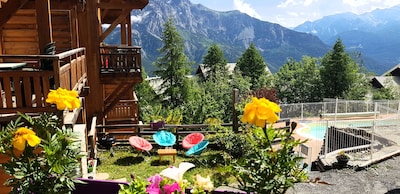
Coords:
pixel 25 89
pixel 116 59
pixel 125 111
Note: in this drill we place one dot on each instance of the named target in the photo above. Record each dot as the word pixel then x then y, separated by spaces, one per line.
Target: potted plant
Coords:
pixel 342 158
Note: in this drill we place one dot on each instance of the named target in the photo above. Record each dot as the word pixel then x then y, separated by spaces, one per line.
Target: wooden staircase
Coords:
pixel 122 89
pixel 121 106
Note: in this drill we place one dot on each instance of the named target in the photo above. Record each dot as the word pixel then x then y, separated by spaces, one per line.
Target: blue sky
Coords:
pixel 290 13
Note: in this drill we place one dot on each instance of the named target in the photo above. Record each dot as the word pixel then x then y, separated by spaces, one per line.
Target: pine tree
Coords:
pixel 214 61
pixel 173 66
pixel 252 65
pixel 339 71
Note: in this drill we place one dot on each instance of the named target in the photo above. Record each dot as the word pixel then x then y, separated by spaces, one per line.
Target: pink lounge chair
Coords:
pixel 140 143
pixel 192 139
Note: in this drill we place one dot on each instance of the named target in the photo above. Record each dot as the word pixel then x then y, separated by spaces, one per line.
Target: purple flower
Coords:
pixel 168 189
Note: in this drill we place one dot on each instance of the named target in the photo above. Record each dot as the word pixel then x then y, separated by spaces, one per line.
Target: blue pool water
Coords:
pixel 317 131
pixel 313 131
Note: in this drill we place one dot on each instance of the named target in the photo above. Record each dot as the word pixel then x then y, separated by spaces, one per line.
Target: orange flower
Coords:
pixel 64 98
pixel 23 135
pixel 260 111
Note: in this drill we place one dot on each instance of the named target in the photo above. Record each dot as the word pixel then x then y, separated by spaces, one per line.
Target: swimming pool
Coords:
pixel 313 131
pixel 318 130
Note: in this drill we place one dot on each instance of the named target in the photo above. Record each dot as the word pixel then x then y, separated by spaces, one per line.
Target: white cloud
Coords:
pixel 355 3
pixel 308 2
pixel 291 3
pixel 246 8
pixel 287 3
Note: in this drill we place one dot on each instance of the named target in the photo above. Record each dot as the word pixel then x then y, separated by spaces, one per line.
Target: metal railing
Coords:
pixel 367 131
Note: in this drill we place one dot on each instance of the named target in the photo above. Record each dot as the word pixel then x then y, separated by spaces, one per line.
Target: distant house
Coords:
pixel 155 83
pixel 202 70
pixel 390 78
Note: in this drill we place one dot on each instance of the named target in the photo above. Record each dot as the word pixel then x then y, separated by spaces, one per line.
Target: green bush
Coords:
pixel 234 144
pixel 270 165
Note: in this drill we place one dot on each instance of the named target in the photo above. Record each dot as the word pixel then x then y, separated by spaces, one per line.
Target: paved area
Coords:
pixel 380 178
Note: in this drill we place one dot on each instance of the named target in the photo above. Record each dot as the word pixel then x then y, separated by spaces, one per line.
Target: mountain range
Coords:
pixel 374 34
pixel 233 31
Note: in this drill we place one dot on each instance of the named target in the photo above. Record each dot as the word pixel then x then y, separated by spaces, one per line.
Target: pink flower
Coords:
pixel 154 190
pixel 168 189
pixel 154 187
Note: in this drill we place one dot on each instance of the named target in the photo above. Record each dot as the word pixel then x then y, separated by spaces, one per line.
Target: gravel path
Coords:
pixel 381 178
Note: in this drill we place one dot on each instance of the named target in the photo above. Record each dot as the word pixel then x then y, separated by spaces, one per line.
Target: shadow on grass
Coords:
pixel 126 161
pixel 162 163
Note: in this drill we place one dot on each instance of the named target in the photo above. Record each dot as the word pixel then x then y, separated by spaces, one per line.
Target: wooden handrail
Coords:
pixel 25 89
pixel 56 56
pixel 120 59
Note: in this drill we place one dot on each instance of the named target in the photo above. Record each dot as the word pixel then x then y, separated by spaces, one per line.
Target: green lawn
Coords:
pixel 127 161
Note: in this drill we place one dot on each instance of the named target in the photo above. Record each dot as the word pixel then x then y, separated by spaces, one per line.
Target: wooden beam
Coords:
pixel 55 5
pixel 43 19
pixel 123 32
pixel 1 47
pixel 74 28
pixel 120 18
pixel 94 100
pixel 105 11
pixel 8 10
pixel 122 5
pixel 129 27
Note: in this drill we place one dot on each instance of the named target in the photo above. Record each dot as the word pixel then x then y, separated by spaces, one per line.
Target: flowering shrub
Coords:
pixel 269 165
pixel 43 157
pixel 170 180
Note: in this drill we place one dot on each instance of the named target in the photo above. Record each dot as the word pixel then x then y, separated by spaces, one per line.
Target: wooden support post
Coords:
pixel 235 99
pixel 44 25
pixel 91 42
pixel 123 32
pixel 129 29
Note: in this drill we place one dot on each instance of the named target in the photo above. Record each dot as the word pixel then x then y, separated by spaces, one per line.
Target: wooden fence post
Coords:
pixel 235 100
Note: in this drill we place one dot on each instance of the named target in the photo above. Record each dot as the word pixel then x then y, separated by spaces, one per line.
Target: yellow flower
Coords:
pixel 204 183
pixel 260 111
pixel 23 135
pixel 63 99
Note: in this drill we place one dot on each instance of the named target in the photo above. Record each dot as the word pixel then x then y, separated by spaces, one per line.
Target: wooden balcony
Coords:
pixel 120 64
pixel 25 89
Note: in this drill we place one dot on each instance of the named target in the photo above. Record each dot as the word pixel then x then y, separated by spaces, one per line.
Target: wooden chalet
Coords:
pixel 46 44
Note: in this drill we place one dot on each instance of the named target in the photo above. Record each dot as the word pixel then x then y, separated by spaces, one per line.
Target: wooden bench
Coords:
pixel 167 152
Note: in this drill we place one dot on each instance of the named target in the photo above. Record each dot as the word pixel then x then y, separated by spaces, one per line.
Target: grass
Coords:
pixel 127 161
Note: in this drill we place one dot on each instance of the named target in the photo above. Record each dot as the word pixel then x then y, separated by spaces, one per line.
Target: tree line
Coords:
pixel 208 98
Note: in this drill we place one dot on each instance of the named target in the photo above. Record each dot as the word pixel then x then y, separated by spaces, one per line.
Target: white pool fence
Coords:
pixel 363 129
